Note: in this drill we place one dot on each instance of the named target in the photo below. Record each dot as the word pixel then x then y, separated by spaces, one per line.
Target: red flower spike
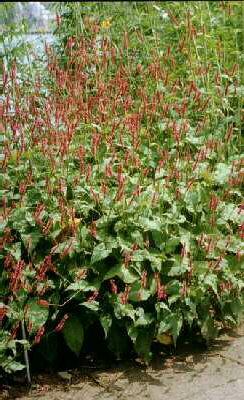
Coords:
pixel 39 335
pixel 60 325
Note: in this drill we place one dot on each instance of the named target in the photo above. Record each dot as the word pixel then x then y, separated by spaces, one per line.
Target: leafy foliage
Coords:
pixel 121 180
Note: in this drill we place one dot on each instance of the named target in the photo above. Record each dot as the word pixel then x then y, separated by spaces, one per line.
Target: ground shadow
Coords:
pixel 183 359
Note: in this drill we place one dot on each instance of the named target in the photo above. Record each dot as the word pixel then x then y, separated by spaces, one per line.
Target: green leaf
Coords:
pixel 137 293
pixel 49 347
pixel 122 272
pixel 124 310
pixel 74 334
pixel 10 365
pixel 92 305
pixel 171 323
pixel 211 281
pixel 143 343
pixel 15 251
pixel 30 240
pixel 142 318
pixel 181 265
pixel 229 212
pixel 208 328
pixel 112 272
pixel 83 286
pixel 236 307
pixel 118 341
pixel 127 276
pixel 100 253
pixel 150 225
pixel 222 173
pixel 158 238
pixel 36 314
pixel 171 244
pixel 106 322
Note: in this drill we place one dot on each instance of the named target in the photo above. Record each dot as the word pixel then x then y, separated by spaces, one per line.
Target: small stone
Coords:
pixel 65 375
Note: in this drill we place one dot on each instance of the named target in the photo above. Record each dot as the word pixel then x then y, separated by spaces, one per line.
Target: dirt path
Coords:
pixel 192 375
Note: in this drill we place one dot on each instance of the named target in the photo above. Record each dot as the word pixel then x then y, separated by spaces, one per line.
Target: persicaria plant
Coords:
pixel 121 191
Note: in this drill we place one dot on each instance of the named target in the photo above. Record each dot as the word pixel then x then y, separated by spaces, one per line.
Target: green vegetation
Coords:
pixel 121 181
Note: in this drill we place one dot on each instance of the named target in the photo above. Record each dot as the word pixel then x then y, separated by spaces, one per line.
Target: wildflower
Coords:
pixel 214 201
pixel 70 42
pixel 106 23
pixel 45 266
pixel 144 279
pixel 43 303
pixel 124 296
pixel 30 326
pixel 93 229
pixel 39 213
pixel 161 293
pixel 93 296
pixel 239 255
pixel 15 279
pixel 46 228
pixel 229 133
pixel 39 335
pixel 82 274
pixel 127 258
pixel 183 252
pixel 14 330
pixel 161 290
pixel 184 290
pixel 60 325
pixel 114 287
pixel 58 20
pixel 3 312
pixel 241 231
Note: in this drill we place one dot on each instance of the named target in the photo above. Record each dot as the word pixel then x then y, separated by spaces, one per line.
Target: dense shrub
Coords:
pixel 121 187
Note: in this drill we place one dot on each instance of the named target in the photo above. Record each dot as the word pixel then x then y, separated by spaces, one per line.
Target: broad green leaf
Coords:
pixel 181 265
pixel 49 347
pixel 100 253
pixel 208 328
pixel 156 261
pixel 30 240
pixel 171 244
pixel 222 173
pixel 237 307
pixel 122 272
pixel 112 272
pixel 159 239
pixel 15 251
pixel 118 341
pixel 230 212
pixel 92 305
pixel 106 322
pixel 74 334
pixel 127 276
pixel 9 365
pixel 211 280
pixel 143 342
pixel 83 286
pixel 192 199
pixel 142 318
pixel 173 290
pixel 36 314
pixel 171 323
pixel 190 314
pixel 124 310
pixel 138 293
pixel 200 267
pixel 150 225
